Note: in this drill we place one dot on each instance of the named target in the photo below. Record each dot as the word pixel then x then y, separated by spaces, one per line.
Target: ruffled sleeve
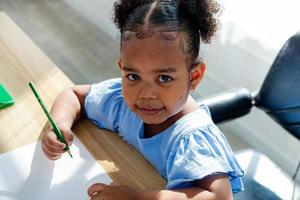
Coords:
pixel 200 153
pixel 103 104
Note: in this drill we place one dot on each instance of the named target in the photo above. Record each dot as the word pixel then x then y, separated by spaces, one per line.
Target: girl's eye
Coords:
pixel 133 77
pixel 165 78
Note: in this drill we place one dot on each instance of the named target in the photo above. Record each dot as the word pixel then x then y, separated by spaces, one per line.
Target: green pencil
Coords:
pixel 56 130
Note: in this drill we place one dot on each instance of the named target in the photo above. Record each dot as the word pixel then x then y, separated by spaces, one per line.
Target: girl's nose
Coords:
pixel 148 91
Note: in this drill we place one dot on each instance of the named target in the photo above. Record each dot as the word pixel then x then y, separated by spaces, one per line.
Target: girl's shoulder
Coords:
pixel 104 104
pixel 109 85
pixel 202 149
pixel 197 119
pixel 197 127
pixel 106 92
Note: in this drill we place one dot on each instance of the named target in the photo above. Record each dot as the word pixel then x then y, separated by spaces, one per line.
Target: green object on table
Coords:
pixel 5 98
pixel 55 129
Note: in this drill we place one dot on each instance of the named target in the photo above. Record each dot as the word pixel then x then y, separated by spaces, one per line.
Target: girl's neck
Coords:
pixel 154 129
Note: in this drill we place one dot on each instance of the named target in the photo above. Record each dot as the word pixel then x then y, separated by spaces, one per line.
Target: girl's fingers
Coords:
pixel 52 146
pixel 55 157
pixel 52 141
pixel 50 155
pixel 69 136
pixel 95 188
pixel 52 150
pixel 67 133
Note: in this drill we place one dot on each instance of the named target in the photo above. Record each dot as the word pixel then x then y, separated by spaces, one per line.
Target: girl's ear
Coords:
pixel 196 75
pixel 120 63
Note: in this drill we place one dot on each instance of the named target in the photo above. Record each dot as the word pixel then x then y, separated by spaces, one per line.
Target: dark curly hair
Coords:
pixel 196 18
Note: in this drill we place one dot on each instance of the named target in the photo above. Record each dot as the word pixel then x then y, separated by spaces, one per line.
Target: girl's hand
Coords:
pixel 113 191
pixel 52 146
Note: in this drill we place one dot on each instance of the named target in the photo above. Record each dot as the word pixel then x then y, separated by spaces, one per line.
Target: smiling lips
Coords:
pixel 149 110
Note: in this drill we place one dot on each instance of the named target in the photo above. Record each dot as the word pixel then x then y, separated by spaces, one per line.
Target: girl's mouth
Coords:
pixel 150 111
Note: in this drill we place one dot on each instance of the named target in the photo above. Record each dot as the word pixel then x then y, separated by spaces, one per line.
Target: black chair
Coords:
pixel 279 97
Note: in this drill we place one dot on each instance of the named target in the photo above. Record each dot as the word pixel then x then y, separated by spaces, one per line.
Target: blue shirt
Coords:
pixel 190 149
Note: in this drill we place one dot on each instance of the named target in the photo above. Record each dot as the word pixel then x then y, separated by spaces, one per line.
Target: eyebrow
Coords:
pixel 129 69
pixel 165 70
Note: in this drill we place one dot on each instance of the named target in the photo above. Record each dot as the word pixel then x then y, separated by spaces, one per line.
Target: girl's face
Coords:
pixel 155 77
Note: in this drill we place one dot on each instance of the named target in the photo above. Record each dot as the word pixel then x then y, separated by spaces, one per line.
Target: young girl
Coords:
pixel 159 63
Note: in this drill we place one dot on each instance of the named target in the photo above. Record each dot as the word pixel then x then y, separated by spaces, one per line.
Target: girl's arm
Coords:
pixel 66 109
pixel 211 187
pixel 216 187
pixel 69 104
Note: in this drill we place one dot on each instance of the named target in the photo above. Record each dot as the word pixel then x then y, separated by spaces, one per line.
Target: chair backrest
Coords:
pixel 229 104
pixel 279 95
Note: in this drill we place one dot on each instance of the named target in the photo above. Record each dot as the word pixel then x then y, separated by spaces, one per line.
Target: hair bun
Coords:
pixel 203 15
pixel 123 8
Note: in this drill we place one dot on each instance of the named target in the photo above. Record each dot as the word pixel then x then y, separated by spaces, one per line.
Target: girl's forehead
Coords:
pixel 165 36
pixel 161 41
